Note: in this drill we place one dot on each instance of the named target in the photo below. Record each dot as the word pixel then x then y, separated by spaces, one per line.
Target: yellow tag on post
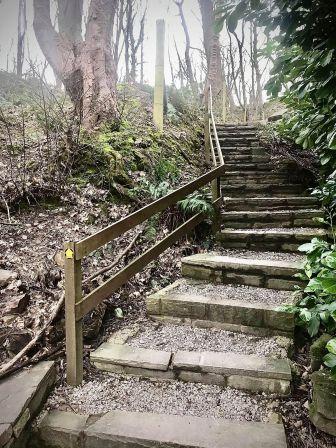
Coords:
pixel 69 254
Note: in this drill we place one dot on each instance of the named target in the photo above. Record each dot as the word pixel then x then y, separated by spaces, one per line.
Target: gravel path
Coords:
pixel 113 392
pixel 183 337
pixel 235 292
pixel 275 256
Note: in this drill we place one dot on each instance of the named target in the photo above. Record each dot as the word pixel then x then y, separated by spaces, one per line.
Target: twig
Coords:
pixel 10 223
pixel 33 342
pixel 7 209
pixel 117 260
pixel 35 359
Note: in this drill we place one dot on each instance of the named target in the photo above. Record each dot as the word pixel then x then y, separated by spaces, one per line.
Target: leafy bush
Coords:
pixel 316 307
pixel 330 358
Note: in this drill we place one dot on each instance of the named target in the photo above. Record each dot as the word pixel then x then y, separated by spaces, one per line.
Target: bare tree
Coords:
pixel 188 64
pixel 85 66
pixel 118 28
pixel 256 67
pixel 132 44
pixel 240 45
pixel 22 28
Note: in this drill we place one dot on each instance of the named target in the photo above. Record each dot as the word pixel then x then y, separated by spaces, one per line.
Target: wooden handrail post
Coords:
pixel 224 102
pixel 73 328
pixel 207 134
pixel 216 194
pixel 159 74
pixel 207 137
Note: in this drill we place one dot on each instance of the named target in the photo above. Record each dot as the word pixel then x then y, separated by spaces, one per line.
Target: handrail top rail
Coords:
pixel 104 236
pixel 213 122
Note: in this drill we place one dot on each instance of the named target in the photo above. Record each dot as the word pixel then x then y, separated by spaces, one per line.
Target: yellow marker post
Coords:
pixel 159 74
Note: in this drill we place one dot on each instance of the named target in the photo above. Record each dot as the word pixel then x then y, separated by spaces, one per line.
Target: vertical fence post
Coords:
pixel 224 102
pixel 216 194
pixel 159 74
pixel 73 328
pixel 207 135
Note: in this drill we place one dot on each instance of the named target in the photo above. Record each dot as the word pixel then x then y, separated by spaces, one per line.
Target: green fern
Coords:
pixel 159 190
pixel 196 202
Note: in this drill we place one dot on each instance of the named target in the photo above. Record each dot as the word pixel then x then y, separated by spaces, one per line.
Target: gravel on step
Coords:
pixel 116 392
pixel 274 256
pixel 171 337
pixel 244 293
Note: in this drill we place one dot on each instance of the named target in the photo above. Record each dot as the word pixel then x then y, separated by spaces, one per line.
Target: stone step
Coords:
pixel 143 429
pixel 274 239
pixel 270 203
pixel 21 397
pixel 249 372
pixel 246 158
pixel 263 273
pixel 236 172
pixel 278 218
pixel 234 127
pixel 233 134
pixel 235 150
pixel 260 190
pixel 234 178
pixel 229 307
pixel 257 167
pixel 245 142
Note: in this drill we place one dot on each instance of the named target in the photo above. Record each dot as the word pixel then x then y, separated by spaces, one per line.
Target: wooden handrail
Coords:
pixel 213 124
pixel 93 242
pixel 77 306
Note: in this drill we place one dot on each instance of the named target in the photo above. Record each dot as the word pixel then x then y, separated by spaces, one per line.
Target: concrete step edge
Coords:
pixel 271 274
pixel 233 314
pixel 140 429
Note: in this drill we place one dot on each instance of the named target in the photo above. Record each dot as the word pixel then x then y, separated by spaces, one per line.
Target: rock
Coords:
pixel 6 277
pixel 93 321
pixel 59 259
pixel 298 424
pixel 276 116
pixel 5 433
pixel 18 340
pixel 318 350
pixel 321 422
pixel 17 304
pixel 324 394
pixel 275 418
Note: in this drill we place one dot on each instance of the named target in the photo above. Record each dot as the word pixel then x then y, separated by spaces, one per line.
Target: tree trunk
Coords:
pixel 212 50
pixel 86 67
pixel 240 44
pixel 22 28
pixel 259 94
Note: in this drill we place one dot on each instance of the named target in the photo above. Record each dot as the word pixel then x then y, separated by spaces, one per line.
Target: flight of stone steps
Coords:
pixel 265 207
pixel 220 324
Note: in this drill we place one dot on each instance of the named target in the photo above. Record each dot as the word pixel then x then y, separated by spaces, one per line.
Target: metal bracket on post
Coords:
pixel 73 328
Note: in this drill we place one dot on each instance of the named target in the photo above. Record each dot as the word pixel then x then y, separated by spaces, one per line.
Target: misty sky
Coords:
pixel 156 9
